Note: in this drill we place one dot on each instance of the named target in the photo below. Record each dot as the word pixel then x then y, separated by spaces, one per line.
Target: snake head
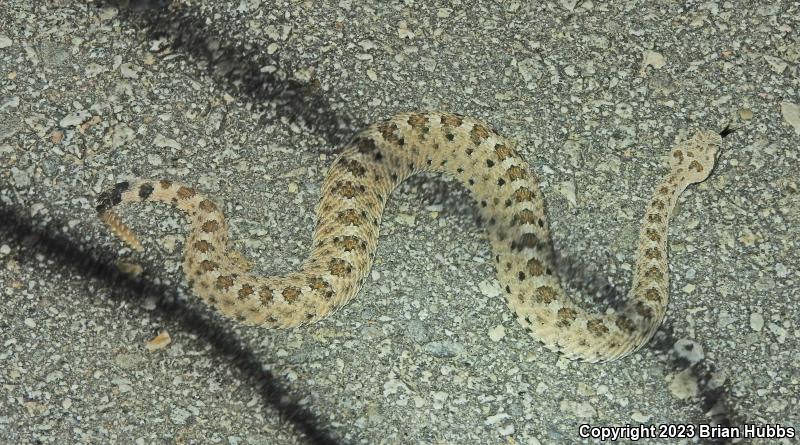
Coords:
pixel 693 159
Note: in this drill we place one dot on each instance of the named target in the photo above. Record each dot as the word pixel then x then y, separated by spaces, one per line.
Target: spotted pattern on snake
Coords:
pixel 349 212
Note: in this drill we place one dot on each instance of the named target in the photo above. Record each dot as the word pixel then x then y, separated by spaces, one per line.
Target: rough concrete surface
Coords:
pixel 249 101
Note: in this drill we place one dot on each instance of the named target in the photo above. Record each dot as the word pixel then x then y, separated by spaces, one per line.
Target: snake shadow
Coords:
pixel 47 240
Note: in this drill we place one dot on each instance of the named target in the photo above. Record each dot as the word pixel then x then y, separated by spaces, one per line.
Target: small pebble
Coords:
pixel 791 114
pixel 654 59
pixel 683 385
pixel 74 119
pixel 756 321
pixel 158 342
pixel 443 349
pixel 497 333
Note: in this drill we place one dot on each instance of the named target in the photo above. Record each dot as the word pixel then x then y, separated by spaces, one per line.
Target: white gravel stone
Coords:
pixel 791 114
pixel 756 321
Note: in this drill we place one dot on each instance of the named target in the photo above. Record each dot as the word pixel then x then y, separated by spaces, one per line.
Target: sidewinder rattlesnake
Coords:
pixel 353 197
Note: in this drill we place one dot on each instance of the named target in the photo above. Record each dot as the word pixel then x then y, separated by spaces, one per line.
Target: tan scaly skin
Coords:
pixel 349 213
